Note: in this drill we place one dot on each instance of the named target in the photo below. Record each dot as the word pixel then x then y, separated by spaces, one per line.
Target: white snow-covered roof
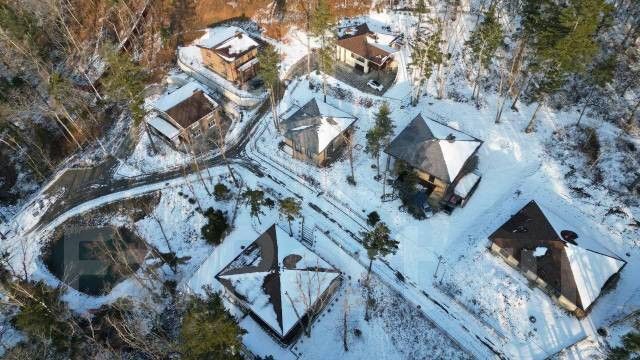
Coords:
pixel 316 124
pixel 591 270
pixel 590 266
pixel 215 36
pixel 434 148
pixel 465 184
pixel 229 41
pixel 278 279
pixel 331 128
pixel 164 127
pixel 380 41
pixel 168 101
pixel 544 243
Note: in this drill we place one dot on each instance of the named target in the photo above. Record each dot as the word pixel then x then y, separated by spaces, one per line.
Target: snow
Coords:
pixel 479 297
pixel 172 99
pixel 456 153
pixel 215 36
pixel 299 287
pixel 330 128
pixel 248 64
pixel 164 127
pixel 236 45
pixel 590 271
pixel 464 185
pixel 540 251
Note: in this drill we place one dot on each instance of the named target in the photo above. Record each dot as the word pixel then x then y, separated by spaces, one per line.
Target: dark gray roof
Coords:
pixel 303 127
pixel 422 148
pixel 530 229
pixel 269 259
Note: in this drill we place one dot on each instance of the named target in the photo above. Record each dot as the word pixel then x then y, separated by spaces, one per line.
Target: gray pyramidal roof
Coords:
pixel 442 151
pixel 267 276
pixel 311 125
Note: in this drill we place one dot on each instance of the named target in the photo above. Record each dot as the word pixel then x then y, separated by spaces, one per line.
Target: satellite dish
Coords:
pixel 569 236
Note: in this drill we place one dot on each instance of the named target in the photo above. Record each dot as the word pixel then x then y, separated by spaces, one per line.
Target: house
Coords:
pixel 316 132
pixel 363 49
pixel 231 53
pixel 561 260
pixel 444 159
pixel 280 283
pixel 184 114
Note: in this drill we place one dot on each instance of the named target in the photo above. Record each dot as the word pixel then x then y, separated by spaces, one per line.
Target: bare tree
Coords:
pixel 221 144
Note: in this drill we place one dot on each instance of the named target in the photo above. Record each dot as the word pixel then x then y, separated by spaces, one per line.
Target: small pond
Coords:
pixel 93 260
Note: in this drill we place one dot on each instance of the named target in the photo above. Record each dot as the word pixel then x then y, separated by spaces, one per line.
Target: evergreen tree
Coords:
pixel 125 81
pixel 269 60
pixel 378 243
pixel 563 39
pixel 373 145
pixel 290 209
pixel 380 134
pixel 216 226
pixel 321 24
pixel 43 316
pixel 208 331
pixel 256 199
pixel 483 43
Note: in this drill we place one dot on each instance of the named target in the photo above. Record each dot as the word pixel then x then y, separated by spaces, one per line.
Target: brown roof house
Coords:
pixel 363 49
pixel 444 159
pixel 316 132
pixel 281 283
pixel 184 114
pixel 231 53
pixel 558 258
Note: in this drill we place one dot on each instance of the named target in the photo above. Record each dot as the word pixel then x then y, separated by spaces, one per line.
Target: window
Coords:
pixel 432 179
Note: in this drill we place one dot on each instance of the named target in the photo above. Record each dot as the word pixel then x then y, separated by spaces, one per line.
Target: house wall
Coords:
pixel 199 127
pixel 559 299
pixel 440 186
pixel 229 70
pixel 317 159
pixel 348 58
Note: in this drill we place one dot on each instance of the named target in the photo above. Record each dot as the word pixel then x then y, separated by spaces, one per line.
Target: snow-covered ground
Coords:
pixel 443 258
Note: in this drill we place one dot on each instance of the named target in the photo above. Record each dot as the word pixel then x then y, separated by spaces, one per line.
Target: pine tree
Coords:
pixel 373 145
pixel 484 41
pixel 564 41
pixel 216 227
pixel 321 24
pixel 379 136
pixel 208 331
pixel 125 81
pixel 378 243
pixel 255 199
pixel 269 60
pixel 290 209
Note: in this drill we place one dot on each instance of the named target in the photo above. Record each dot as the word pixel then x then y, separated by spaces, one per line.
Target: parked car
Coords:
pixel 376 85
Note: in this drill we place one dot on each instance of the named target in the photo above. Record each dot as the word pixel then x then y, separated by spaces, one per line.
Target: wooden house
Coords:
pixel 443 158
pixel 232 54
pixel 561 260
pixel 282 284
pixel 184 114
pixel 316 132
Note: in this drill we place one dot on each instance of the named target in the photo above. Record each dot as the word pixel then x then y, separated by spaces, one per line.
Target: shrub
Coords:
pixel 217 226
pixel 373 218
pixel 221 192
